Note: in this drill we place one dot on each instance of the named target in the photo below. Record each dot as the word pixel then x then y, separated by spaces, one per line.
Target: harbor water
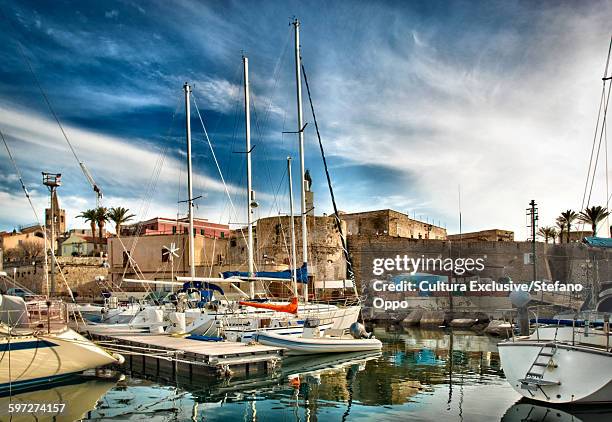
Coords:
pixel 421 375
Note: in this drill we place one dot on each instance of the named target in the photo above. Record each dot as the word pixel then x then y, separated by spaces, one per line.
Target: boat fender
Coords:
pixel 120 359
pixel 358 331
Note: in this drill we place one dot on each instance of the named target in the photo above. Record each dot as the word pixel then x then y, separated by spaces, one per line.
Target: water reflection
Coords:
pixel 422 375
pixel 534 412
pixel 80 395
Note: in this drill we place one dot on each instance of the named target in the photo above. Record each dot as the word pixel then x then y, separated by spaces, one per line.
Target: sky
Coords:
pixel 416 102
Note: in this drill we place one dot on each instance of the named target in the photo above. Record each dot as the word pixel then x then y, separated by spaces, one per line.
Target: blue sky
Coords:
pixel 413 99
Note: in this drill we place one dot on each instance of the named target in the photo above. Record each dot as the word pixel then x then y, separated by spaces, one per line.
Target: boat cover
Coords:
pixel 600 242
pixel 302 274
pixel 13 311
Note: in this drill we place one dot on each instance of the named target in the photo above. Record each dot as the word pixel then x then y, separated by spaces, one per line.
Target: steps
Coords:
pixel 534 378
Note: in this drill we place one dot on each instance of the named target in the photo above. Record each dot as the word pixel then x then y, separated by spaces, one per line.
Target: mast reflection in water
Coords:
pixel 420 375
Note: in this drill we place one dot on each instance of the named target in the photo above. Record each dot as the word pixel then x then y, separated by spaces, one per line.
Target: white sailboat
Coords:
pixel 573 367
pixel 33 355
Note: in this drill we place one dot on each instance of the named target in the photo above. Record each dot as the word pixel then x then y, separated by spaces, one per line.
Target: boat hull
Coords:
pixel 307 346
pixel 31 360
pixel 577 374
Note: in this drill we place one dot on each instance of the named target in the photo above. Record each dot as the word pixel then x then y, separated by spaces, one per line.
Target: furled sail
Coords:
pixel 302 274
pixel 291 308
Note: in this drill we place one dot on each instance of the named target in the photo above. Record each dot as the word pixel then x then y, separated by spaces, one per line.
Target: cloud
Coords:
pixel 122 167
pixel 510 120
pixel 500 99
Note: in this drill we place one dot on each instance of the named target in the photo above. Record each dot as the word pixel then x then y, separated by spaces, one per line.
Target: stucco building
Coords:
pixel 493 235
pixel 390 223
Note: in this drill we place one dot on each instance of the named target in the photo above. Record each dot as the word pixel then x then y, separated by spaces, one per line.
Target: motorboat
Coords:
pixel 312 342
pixel 38 351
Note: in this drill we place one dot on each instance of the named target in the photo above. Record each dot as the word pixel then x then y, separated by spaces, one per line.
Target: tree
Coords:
pixel 569 217
pixel 91 216
pixel 593 216
pixel 547 233
pixel 31 250
pixel 561 226
pixel 119 216
pixel 101 214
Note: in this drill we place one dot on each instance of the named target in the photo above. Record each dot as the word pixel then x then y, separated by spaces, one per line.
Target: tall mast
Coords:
pixel 247 124
pixel 292 225
pixel 300 124
pixel 189 181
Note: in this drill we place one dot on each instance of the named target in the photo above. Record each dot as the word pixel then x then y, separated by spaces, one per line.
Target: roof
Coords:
pixel 600 242
pixel 76 238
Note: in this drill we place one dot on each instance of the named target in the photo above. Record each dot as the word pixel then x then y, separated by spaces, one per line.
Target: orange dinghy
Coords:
pixel 291 308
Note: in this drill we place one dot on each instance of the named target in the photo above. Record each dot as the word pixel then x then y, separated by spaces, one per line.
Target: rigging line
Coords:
pixel 212 150
pixel 605 113
pixel 84 169
pixel 147 195
pixel 349 265
pixel 46 240
pixel 601 101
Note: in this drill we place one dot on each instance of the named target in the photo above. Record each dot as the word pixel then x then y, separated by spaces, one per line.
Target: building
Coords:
pixel 220 249
pixel 78 245
pixel 149 256
pixel 160 225
pixel 390 223
pixel 142 251
pixel 493 235
pixel 24 245
pixel 272 240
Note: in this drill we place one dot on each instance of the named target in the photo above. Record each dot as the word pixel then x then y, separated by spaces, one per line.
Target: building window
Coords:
pixel 173 229
pixel 222 235
pixel 202 232
pixel 165 255
pixel 126 258
pixel 233 243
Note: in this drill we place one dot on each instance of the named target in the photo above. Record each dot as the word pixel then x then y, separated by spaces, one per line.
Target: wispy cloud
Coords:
pixel 500 98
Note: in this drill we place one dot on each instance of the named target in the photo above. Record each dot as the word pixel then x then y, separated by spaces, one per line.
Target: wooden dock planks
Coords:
pixel 219 357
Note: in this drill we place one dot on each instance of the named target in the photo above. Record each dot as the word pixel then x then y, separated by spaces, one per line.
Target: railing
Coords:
pixel 581 329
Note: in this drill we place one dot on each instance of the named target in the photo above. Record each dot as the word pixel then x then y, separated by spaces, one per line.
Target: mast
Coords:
pixel 189 181
pixel 292 225
pixel 300 123
pixel 247 124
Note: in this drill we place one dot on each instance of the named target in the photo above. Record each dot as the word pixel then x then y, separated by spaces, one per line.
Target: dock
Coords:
pixel 172 357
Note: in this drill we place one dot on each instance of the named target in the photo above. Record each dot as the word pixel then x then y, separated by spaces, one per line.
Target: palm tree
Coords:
pixel 119 216
pixel 561 226
pixel 91 216
pixel 101 219
pixel 593 216
pixel 569 217
pixel 547 233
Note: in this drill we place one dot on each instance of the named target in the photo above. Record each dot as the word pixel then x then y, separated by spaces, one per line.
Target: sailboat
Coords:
pixel 567 361
pixel 239 320
pixel 37 352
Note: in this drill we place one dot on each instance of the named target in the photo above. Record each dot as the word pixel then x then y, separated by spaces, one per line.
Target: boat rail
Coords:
pixel 597 333
pixel 37 315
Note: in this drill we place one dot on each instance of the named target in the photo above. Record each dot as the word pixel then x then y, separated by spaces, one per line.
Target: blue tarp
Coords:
pixel 302 274
pixel 202 285
pixel 600 242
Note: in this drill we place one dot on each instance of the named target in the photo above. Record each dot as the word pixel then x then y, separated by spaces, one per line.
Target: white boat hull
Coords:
pixel 30 360
pixel 307 346
pixel 577 374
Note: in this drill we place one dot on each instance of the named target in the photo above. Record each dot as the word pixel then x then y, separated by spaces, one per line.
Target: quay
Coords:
pixel 176 356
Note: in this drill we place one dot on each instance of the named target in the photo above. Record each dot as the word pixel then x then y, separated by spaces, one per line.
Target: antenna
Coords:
pixel 532 212
pixel 52 181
